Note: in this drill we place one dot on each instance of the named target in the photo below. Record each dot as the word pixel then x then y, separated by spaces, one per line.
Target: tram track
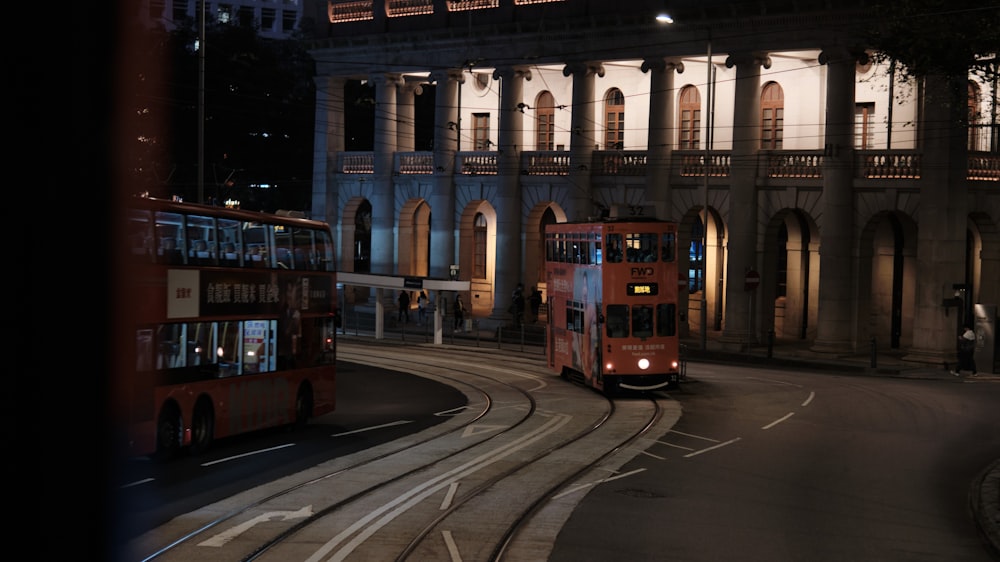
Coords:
pixel 469 488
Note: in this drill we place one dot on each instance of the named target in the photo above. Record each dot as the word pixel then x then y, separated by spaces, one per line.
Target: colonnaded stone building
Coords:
pixel 869 214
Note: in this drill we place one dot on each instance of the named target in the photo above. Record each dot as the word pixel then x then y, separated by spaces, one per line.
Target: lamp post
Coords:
pixel 201 105
pixel 709 117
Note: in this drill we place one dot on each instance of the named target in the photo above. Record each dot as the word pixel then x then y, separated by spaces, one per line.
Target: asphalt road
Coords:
pixel 784 465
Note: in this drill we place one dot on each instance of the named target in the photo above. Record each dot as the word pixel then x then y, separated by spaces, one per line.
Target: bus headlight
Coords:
pixel 644 363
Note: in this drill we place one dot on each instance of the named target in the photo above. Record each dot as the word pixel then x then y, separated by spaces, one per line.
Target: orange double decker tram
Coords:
pixel 612 301
pixel 229 324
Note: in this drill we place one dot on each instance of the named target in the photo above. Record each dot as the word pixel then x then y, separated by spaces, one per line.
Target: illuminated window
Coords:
pixel 479 247
pixel 545 115
pixel 978 139
pixel 864 133
pixel 689 118
pixel 772 117
pixel 481 131
pixel 614 120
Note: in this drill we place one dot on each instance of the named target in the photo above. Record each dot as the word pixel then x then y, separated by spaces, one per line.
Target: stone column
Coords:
pixel 328 142
pixel 837 313
pixel 942 216
pixel 742 239
pixel 444 217
pixel 405 115
pixel 582 139
pixel 383 190
pixel 510 223
pixel 662 134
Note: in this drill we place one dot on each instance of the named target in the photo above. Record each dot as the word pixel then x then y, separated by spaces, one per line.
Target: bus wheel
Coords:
pixel 168 433
pixel 303 406
pixel 202 428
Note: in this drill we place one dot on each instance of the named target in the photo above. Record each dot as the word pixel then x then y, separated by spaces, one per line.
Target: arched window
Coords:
pixel 614 120
pixel 689 118
pixel 363 238
pixel 977 132
pixel 545 130
pixel 772 116
pixel 479 247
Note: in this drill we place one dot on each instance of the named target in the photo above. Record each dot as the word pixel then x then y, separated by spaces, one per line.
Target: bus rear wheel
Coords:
pixel 202 428
pixel 168 433
pixel 303 406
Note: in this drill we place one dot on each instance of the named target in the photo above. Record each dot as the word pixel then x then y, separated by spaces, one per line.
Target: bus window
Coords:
pixel 641 247
pixel 615 248
pixel 257 242
pixel 282 246
pixel 201 240
pixel 324 252
pixel 140 235
pixel 170 234
pixel 228 352
pixel 230 245
pixel 666 319
pixel 200 344
pixel 642 321
pixel 168 354
pixel 596 259
pixel 302 249
pixel 617 321
pixel 668 246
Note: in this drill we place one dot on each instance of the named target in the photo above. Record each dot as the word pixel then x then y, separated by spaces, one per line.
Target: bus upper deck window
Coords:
pixel 615 248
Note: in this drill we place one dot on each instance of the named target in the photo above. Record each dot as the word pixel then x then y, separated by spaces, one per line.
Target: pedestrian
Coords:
pixel 517 304
pixel 404 307
pixel 535 301
pixel 966 352
pixel 421 308
pixel 459 312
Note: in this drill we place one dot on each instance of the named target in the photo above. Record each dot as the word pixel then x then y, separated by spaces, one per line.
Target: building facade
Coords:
pixel 275 19
pixel 764 129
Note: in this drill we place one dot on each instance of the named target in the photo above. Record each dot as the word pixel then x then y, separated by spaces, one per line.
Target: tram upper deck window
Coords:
pixel 615 246
pixel 640 247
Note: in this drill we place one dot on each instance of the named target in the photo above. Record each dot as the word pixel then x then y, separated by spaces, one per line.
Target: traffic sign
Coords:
pixel 752 280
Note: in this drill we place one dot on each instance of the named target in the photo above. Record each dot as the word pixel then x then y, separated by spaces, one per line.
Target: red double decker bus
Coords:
pixel 229 324
pixel 612 301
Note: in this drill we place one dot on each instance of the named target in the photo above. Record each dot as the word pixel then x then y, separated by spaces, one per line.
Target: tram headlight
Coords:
pixel 643 364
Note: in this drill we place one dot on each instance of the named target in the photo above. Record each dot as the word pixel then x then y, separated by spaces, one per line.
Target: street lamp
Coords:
pixel 709 118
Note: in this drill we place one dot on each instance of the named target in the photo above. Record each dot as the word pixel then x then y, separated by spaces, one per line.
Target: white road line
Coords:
pixel 579 487
pixel 693 436
pixel 382 516
pixel 810 399
pixel 774 381
pixel 696 453
pixel 452 547
pixel 675 446
pixel 250 454
pixel 446 502
pixel 779 420
pixel 364 429
pixel 137 482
